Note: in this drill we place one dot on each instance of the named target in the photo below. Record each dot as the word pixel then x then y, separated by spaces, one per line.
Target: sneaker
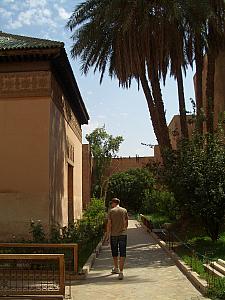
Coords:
pixel 115 271
pixel 120 275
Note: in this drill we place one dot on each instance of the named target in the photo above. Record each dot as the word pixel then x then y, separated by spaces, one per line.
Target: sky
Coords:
pixel 122 112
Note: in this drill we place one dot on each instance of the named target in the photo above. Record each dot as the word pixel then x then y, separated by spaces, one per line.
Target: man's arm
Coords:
pixel 109 226
pixel 126 221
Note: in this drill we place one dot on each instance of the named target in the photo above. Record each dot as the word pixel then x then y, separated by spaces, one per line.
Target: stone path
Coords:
pixel 149 274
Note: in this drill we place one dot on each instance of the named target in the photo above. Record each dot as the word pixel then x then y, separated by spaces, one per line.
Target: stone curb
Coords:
pixel 193 277
pixel 89 263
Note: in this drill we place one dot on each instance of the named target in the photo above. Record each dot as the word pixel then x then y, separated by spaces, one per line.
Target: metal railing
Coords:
pixel 70 251
pixel 146 222
pixel 197 261
pixel 32 274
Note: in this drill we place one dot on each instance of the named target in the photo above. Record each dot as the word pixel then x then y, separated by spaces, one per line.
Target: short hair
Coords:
pixel 116 200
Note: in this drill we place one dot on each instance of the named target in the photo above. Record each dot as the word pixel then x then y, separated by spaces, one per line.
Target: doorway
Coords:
pixel 70 195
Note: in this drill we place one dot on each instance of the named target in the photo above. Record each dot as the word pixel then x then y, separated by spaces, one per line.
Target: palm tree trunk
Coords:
pixel 210 86
pixel 155 118
pixel 151 108
pixel 182 108
pixel 157 95
pixel 199 96
pixel 210 93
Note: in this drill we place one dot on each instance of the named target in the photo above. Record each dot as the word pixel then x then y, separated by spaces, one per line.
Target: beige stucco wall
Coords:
pixel 65 132
pixel 36 127
pixel 86 175
pixel 77 172
pixel 219 87
pixel 219 101
pixel 24 164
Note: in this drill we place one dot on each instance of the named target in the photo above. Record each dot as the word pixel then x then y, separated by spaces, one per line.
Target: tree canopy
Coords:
pixel 103 148
pixel 143 40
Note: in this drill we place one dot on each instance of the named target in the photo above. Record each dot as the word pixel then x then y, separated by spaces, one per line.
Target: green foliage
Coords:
pixel 90 226
pixel 196 175
pixel 96 210
pixel 131 187
pixel 103 148
pixel 37 231
pixel 205 250
pixel 55 234
pixel 157 219
pixel 161 202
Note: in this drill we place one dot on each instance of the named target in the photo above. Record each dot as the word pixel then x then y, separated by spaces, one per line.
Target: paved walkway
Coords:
pixel 149 274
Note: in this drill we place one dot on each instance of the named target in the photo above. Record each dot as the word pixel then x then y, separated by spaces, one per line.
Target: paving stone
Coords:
pixel 149 274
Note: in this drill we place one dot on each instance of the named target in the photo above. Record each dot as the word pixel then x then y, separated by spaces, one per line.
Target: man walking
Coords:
pixel 117 230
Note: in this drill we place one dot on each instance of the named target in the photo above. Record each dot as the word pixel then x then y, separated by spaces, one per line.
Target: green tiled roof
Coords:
pixel 13 42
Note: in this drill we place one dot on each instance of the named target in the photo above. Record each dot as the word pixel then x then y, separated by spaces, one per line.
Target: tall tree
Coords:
pixel 103 148
pixel 204 23
pixel 125 37
pixel 216 42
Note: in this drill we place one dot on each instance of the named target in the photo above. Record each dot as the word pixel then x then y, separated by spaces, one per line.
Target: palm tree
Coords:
pixel 204 23
pixel 123 36
pixel 216 42
pixel 142 40
pixel 195 19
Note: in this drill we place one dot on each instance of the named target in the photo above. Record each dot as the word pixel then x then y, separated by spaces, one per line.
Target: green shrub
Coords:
pixel 37 231
pixel 131 187
pixel 95 211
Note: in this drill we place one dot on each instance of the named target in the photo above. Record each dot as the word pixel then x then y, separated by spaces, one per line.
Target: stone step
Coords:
pixel 218 267
pixel 221 262
pixel 212 271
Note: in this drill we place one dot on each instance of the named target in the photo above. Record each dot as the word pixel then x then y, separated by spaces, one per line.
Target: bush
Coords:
pixel 37 231
pixel 196 175
pixel 131 187
pixel 165 203
pixel 90 226
pixel 95 210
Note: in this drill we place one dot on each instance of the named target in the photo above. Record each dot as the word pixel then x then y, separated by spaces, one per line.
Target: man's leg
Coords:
pixel 114 249
pixel 122 260
pixel 115 261
pixel 122 248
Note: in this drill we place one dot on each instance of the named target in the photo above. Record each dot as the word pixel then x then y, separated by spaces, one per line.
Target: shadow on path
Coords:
pixel 149 274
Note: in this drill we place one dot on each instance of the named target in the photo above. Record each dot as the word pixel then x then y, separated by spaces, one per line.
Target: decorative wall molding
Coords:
pixel 23 84
pixel 64 107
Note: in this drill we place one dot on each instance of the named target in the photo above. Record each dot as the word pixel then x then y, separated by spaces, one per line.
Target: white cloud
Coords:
pixel 63 14
pixel 123 114
pixel 5 13
pixel 86 129
pixel 36 3
pixel 32 16
pixel 101 117
pixel 28 13
pixel 8 1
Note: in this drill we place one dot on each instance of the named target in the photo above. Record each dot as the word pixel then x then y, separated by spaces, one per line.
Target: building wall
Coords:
pixel 86 175
pixel 125 163
pixel 219 96
pixel 175 129
pixel 117 165
pixel 40 135
pixel 24 164
pixel 65 148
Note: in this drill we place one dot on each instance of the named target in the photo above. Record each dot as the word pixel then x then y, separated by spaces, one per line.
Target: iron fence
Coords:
pixel 70 251
pixel 203 264
pixel 33 274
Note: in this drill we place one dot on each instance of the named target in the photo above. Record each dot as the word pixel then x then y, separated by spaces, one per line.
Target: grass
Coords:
pixel 204 250
pixel 158 219
pixel 198 249
pixel 86 248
